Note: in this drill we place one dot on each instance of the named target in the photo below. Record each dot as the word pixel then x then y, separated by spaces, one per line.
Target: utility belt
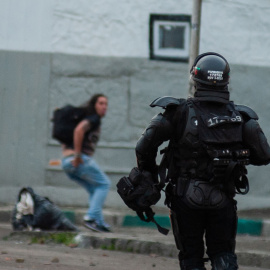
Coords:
pixel 219 167
pixel 225 157
pixel 229 178
pixel 225 162
pixel 229 169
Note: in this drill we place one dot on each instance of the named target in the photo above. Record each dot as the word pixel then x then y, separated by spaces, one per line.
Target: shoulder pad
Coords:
pixel 247 111
pixel 164 102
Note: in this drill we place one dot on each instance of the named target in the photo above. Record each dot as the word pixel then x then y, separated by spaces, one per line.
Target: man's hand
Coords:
pixel 77 161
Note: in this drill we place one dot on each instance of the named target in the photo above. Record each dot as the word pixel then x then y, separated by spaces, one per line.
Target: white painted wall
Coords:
pixel 26 25
pixel 108 27
pixel 239 29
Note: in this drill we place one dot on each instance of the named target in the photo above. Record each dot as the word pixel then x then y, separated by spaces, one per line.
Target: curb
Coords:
pixel 101 241
pixel 129 244
pixel 248 257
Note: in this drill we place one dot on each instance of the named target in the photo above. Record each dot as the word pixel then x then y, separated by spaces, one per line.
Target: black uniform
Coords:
pixel 211 140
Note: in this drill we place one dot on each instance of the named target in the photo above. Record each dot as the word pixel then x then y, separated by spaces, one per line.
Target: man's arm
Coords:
pixel 159 130
pixel 253 137
pixel 78 136
pixel 256 141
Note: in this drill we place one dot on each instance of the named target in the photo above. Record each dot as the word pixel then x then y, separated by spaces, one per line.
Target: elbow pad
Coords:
pixel 158 131
pixel 256 141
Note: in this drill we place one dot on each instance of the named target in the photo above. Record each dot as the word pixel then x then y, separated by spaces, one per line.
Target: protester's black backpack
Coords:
pixel 65 120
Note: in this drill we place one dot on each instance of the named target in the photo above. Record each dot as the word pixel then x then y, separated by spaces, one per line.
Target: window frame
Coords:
pixel 156 53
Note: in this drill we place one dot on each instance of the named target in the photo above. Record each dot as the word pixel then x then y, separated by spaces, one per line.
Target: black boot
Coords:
pixel 224 261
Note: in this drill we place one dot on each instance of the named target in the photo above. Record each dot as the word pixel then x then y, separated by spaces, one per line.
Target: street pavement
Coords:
pixel 16 252
pixel 18 255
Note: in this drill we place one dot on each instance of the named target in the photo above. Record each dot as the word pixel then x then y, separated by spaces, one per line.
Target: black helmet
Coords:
pixel 211 69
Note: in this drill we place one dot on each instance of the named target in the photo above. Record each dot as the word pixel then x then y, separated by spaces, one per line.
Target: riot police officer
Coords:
pixel 211 140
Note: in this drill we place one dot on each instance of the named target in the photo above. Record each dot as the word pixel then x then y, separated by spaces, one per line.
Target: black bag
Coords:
pixel 65 120
pixel 46 215
pixel 139 191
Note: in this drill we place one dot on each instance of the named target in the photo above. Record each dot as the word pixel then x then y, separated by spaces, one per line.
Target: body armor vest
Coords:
pixel 210 142
pixel 208 158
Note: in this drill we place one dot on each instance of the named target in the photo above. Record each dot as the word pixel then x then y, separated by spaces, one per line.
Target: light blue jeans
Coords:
pixel 95 181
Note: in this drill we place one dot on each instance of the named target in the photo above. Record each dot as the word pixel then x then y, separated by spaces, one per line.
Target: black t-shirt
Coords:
pixel 91 136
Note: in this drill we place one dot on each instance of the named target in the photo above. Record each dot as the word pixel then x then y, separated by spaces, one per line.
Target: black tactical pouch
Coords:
pixel 139 192
pixel 125 187
pixel 205 195
pixel 126 191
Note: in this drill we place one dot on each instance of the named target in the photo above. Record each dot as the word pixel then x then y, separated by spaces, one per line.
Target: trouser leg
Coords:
pixel 75 175
pixel 224 261
pixel 97 184
pixel 220 237
pixel 188 230
pixel 100 183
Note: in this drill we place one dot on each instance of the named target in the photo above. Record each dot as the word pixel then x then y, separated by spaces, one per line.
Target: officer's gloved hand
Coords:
pixel 135 176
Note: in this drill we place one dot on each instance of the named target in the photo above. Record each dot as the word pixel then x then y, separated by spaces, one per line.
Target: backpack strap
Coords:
pixel 150 218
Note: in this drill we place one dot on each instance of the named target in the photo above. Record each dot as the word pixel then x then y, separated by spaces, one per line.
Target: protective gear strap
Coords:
pixel 162 169
pixel 241 182
pixel 150 218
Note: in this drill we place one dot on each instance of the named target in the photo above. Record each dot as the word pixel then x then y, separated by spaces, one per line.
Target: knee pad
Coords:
pixel 224 261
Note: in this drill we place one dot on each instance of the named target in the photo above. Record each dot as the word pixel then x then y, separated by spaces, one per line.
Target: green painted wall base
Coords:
pixel 252 227
pixel 70 215
pixel 131 221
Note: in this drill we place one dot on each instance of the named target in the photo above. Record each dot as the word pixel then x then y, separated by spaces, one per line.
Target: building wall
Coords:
pixel 25 80
pixel 58 52
pixel 238 29
pixel 26 25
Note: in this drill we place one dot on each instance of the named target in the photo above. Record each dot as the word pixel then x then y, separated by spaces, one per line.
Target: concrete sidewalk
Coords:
pixel 251 251
pixel 130 234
